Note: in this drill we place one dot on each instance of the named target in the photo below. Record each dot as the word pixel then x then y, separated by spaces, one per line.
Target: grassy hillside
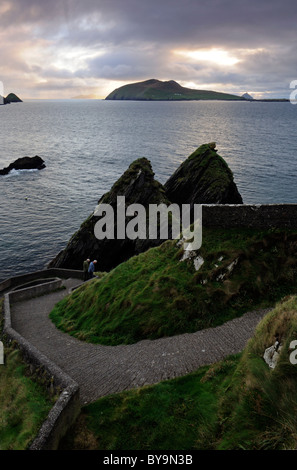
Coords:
pixel 159 294
pixel 264 399
pixel 239 403
pixel 164 91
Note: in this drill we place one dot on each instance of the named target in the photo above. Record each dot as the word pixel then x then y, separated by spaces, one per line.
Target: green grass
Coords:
pixel 260 410
pixel 238 403
pixel 24 404
pixel 155 294
pixel 178 414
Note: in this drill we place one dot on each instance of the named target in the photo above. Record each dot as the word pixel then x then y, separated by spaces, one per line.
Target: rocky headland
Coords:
pixel 24 163
pixel 203 178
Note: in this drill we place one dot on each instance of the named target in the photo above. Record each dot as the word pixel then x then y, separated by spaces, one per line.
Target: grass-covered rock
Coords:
pixel 160 293
pixel 203 178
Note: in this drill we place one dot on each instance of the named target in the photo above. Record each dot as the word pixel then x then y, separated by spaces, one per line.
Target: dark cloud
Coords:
pixel 134 40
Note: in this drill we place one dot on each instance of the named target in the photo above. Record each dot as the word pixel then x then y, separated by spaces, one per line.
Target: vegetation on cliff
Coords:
pixel 239 403
pixel 160 293
pixel 156 90
pixel 203 178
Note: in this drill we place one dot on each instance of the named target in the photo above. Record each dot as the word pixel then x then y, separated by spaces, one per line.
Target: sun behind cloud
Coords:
pixel 218 56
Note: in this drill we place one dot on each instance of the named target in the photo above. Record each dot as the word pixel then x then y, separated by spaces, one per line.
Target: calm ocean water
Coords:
pixel 88 144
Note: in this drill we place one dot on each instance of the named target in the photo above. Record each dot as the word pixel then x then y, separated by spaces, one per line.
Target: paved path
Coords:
pixel 102 370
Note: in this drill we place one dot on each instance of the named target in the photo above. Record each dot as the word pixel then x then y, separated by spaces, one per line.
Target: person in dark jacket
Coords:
pixel 92 268
pixel 86 269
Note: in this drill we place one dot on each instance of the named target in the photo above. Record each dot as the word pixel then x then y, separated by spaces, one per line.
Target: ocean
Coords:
pixel 88 144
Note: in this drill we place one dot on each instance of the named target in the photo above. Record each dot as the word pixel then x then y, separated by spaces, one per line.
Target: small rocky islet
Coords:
pixel 10 98
pixel 24 163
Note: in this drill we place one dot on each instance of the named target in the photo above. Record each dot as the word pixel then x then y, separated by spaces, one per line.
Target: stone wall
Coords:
pixel 260 216
pixel 35 291
pixel 44 274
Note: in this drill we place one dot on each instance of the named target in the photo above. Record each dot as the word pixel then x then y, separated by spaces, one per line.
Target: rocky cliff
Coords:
pixel 203 178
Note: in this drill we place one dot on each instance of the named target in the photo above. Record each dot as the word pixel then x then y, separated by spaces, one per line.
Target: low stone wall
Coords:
pixel 35 291
pixel 67 407
pixel 44 274
pixel 259 216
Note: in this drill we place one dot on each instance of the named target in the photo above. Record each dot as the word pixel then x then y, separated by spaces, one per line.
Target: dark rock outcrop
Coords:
pixel 204 178
pixel 138 186
pixel 25 163
pixel 11 98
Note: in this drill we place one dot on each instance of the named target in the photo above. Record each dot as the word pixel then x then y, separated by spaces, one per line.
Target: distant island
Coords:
pixel 156 90
pixel 11 98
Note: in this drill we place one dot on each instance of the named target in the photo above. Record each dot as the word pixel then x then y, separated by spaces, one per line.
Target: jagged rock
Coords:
pixel 138 186
pixel 24 163
pixel 204 178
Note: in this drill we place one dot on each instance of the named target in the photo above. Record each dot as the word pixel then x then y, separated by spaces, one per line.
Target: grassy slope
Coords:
pixel 155 294
pixel 238 403
pixel 264 399
pixel 24 405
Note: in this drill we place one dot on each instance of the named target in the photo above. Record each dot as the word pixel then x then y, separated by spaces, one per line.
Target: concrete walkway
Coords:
pixel 103 370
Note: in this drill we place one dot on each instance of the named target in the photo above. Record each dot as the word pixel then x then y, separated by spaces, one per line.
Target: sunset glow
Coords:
pixel 217 56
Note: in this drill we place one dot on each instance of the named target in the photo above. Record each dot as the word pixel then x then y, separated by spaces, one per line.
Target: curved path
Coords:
pixel 102 370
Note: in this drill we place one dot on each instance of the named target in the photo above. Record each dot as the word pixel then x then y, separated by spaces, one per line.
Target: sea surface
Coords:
pixel 88 144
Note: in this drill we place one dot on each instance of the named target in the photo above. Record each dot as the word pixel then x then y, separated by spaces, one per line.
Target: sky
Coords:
pixel 87 48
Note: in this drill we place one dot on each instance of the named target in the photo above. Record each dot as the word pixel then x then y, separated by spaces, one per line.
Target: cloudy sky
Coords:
pixel 74 48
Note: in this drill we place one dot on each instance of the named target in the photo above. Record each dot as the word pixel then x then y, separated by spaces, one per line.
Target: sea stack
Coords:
pixel 203 178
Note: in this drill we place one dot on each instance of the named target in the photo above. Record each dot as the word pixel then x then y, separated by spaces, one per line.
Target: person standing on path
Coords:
pixel 92 268
pixel 86 269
